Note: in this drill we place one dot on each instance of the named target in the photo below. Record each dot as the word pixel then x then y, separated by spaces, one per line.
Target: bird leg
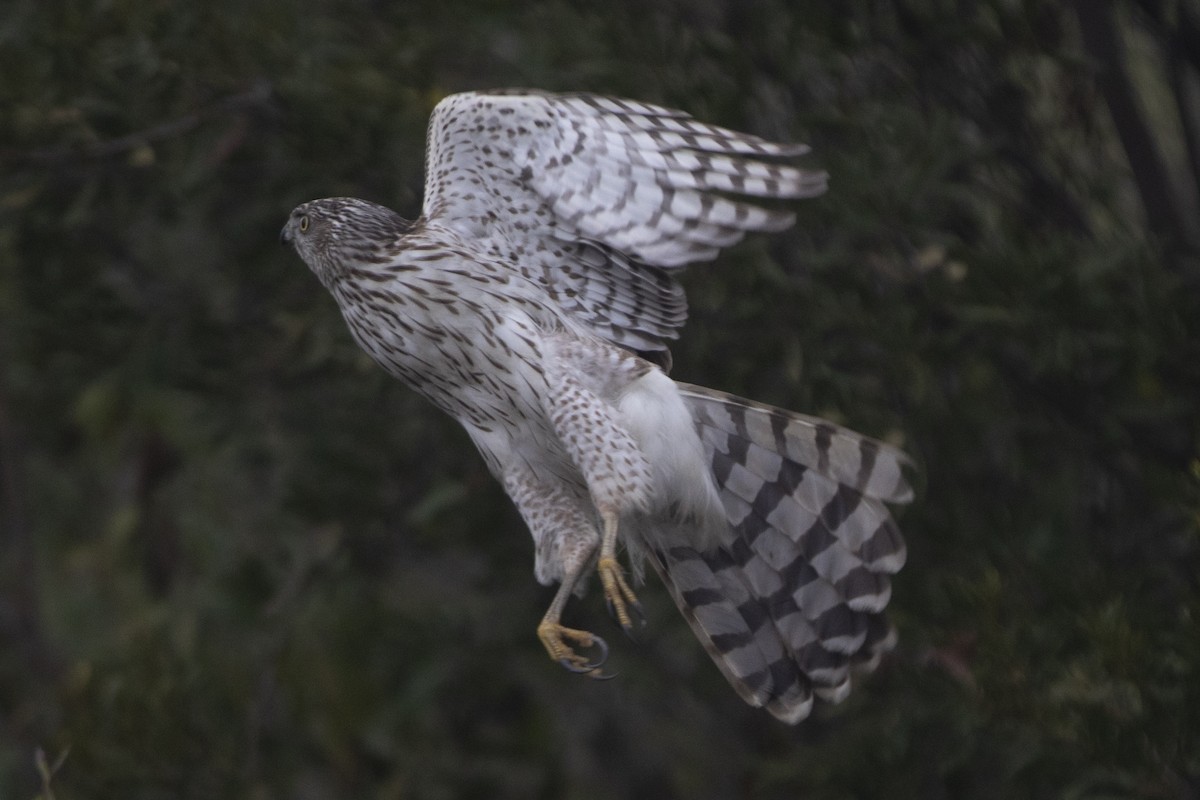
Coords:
pixel 554 635
pixel 617 594
pixel 564 533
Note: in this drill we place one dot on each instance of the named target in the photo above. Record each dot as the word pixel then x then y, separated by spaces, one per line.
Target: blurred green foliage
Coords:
pixel 236 560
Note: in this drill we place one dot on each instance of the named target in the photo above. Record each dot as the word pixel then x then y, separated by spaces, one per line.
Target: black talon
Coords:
pixel 637 620
pixel 591 666
pixel 603 645
pixel 639 613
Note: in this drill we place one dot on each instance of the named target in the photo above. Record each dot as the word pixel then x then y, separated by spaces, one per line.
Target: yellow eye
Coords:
pixel 304 223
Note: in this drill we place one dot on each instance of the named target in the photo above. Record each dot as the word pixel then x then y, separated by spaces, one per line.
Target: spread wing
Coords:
pixel 603 199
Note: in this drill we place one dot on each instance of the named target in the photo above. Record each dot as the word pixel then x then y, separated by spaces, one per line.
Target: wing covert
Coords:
pixel 553 180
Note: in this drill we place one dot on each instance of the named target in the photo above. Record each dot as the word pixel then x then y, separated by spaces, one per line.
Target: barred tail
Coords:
pixel 793 600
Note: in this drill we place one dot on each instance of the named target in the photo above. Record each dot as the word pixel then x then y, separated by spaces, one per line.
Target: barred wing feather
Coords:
pixel 603 199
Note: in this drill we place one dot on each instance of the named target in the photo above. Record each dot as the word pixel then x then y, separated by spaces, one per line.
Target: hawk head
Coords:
pixel 337 233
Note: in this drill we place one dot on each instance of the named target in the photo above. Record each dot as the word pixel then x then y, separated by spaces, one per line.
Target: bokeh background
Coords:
pixel 237 560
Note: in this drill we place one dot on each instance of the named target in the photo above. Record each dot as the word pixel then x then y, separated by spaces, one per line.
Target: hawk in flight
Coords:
pixel 534 300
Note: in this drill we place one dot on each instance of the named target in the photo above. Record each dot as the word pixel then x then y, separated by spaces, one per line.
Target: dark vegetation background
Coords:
pixel 236 560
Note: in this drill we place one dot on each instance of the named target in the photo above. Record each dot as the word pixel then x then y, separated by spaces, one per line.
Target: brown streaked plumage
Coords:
pixel 533 301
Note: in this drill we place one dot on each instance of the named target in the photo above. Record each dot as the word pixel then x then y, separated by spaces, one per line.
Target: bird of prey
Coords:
pixel 534 300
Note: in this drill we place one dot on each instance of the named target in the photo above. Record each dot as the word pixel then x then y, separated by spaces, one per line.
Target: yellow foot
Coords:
pixel 618 595
pixel 552 635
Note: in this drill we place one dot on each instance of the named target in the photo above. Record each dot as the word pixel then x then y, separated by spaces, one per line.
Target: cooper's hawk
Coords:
pixel 533 301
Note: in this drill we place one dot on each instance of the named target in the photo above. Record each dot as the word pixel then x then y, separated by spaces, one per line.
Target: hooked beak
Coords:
pixel 285 235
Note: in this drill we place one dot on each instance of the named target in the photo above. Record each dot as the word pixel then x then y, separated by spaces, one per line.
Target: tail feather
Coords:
pixel 870 467
pixel 791 530
pixel 791 604
pixel 734 626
